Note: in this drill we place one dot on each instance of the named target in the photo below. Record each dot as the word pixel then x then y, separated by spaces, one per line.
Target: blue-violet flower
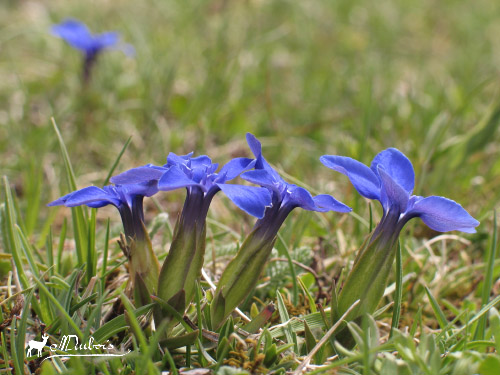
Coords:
pixel 198 176
pixel 242 273
pixel 78 36
pixel 128 199
pixel 390 179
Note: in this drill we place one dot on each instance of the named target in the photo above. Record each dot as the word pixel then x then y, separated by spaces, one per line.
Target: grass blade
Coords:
pixel 291 336
pixel 60 247
pixel 91 253
pixel 105 259
pixel 59 307
pixel 21 329
pixel 11 235
pixel 488 280
pixel 441 318
pixel 77 213
pixel 324 339
pixel 115 164
pixel 286 252
pixel 398 296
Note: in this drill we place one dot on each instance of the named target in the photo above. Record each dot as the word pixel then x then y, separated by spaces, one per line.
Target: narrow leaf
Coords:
pixel 398 296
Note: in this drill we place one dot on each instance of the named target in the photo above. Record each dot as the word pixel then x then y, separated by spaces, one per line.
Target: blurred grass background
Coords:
pixel 308 77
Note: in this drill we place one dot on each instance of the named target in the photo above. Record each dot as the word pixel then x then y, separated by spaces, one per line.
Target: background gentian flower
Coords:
pixel 242 273
pixel 390 179
pixel 128 199
pixel 198 176
pixel 78 36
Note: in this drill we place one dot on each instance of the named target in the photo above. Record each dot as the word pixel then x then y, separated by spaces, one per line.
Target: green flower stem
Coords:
pixel 241 275
pixel 182 267
pixel 144 263
pixel 368 278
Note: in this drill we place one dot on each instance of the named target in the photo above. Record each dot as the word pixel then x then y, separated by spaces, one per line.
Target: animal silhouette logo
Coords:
pixel 38 345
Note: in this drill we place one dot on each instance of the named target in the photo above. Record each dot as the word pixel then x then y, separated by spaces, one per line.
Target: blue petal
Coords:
pixel 174 159
pixel 443 215
pixel 92 195
pixel 393 195
pixel 254 144
pixel 362 178
pixel 396 165
pixel 145 173
pixel 261 162
pixel 253 200
pixel 300 197
pixel 106 40
pixel 97 204
pixel 75 33
pixel 145 189
pixel 233 168
pixel 329 203
pixel 201 161
pixel 175 178
pixel 60 201
pixel 263 178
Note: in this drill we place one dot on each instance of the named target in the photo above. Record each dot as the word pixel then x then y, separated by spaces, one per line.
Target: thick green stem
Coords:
pixel 182 267
pixel 240 276
pixel 144 265
pixel 368 278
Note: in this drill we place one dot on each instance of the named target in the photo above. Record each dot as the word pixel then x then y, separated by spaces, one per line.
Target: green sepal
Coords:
pixel 182 267
pixel 368 278
pixel 143 263
pixel 366 282
pixel 240 276
pixel 142 296
pixel 218 308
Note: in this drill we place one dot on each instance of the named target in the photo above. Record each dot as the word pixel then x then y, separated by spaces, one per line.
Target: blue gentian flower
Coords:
pixel 285 196
pixel 78 36
pixel 199 176
pixel 128 199
pixel 390 179
pixel 242 273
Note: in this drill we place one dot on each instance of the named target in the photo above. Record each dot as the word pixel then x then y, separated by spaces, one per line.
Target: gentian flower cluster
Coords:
pixel 241 275
pixel 390 180
pixel 198 176
pixel 78 36
pixel 175 283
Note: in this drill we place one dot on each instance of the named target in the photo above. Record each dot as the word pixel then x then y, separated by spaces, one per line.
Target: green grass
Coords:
pixel 308 78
